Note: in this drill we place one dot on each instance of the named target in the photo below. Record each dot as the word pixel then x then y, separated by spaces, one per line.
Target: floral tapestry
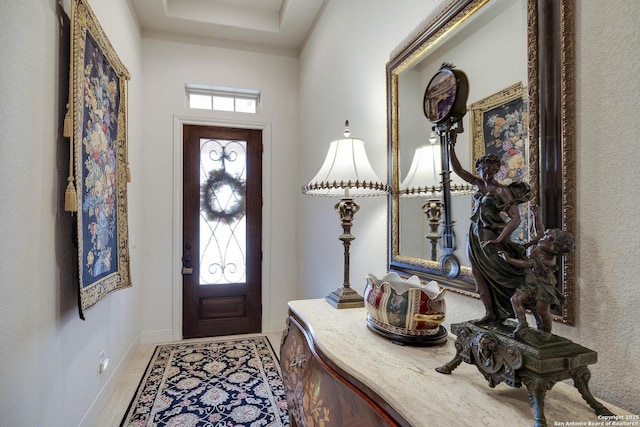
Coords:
pixel 500 126
pixel 99 114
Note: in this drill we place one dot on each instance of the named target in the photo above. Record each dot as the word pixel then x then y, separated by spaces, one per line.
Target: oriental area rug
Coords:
pixel 214 383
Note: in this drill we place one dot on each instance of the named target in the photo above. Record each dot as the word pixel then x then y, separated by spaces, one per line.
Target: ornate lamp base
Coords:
pixel 345 298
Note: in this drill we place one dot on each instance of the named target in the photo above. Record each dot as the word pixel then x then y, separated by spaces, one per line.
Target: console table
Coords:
pixel 339 373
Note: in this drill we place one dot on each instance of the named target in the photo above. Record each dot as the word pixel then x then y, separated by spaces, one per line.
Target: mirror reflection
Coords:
pixel 518 57
pixel 490 46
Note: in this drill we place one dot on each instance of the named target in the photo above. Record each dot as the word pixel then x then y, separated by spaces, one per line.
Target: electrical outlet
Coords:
pixel 103 362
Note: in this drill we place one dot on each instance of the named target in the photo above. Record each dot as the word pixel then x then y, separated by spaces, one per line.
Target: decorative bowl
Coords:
pixel 405 310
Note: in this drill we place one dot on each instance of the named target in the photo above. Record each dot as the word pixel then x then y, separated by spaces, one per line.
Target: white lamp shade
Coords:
pixel 346 172
pixel 425 175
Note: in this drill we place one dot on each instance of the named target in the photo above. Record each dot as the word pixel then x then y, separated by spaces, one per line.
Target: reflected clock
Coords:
pixel 446 95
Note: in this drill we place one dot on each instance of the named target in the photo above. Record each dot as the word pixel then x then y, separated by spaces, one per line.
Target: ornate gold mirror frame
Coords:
pixel 550 88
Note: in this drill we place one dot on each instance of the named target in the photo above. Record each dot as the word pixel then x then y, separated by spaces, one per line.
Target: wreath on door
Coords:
pixel 216 209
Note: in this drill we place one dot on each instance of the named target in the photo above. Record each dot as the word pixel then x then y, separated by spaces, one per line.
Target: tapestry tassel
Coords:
pixel 66 128
pixel 70 197
pixel 70 194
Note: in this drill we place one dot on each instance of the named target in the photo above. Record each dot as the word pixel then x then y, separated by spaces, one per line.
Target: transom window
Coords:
pixel 222 98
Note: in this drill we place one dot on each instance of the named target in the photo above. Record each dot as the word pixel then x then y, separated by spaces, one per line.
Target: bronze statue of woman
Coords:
pixel 496 280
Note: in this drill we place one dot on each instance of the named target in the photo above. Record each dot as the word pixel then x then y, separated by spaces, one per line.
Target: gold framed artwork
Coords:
pixel 500 125
pixel 99 169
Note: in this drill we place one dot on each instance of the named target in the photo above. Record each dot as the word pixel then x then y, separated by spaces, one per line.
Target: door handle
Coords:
pixel 187 267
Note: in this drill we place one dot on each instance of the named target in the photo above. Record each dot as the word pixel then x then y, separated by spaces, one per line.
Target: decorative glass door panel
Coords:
pixel 223 225
pixel 222 229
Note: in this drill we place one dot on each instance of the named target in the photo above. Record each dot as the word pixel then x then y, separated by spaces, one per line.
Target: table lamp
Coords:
pixel 346 173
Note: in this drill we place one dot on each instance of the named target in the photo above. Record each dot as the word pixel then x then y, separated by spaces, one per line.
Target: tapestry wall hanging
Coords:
pixel 500 126
pixel 98 163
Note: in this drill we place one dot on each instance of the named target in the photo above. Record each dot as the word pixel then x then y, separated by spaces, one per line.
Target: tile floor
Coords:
pixel 118 402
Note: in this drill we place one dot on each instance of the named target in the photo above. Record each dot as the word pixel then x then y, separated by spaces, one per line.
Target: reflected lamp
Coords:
pixel 424 179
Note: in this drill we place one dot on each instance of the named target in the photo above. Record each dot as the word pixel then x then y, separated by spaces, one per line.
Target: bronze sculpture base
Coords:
pixel 536 360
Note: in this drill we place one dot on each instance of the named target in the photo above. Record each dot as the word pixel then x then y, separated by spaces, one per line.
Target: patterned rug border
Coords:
pixel 258 338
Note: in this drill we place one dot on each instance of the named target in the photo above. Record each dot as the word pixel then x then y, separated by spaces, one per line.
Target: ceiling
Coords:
pixel 279 26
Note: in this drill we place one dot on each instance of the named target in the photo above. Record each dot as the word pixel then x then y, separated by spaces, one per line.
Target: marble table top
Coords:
pixel 405 377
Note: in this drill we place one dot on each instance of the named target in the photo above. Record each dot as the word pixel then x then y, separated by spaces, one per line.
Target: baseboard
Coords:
pixel 166 335
pixel 152 337
pixel 107 389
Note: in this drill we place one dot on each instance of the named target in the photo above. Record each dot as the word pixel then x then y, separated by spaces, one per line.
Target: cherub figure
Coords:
pixel 540 268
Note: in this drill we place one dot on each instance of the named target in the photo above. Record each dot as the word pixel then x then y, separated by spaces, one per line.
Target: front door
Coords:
pixel 222 229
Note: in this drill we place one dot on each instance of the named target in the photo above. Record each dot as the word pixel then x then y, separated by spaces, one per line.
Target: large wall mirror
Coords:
pixel 510 50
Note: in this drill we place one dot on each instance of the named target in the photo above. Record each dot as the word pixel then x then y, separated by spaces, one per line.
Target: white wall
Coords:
pixel 168 66
pixel 342 75
pixel 49 370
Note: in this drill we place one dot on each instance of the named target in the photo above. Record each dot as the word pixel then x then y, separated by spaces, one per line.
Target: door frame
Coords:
pixel 178 123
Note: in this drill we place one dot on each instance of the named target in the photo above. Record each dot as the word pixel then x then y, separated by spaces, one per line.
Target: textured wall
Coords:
pixel 607 87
